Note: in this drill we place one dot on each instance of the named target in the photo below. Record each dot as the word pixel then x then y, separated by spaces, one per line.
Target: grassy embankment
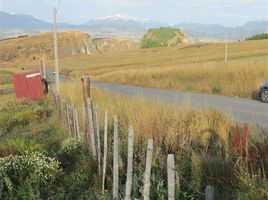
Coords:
pixel 201 141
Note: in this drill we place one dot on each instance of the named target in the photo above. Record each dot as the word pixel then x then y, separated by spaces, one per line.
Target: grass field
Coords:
pixel 197 68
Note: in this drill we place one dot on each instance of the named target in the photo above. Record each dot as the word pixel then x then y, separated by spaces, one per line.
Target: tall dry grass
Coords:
pixel 200 141
pixel 198 68
pixel 235 78
pixel 171 127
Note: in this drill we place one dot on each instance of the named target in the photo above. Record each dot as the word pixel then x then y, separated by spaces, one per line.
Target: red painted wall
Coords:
pixel 28 85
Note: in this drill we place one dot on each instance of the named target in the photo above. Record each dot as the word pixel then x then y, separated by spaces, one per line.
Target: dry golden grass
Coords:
pixel 198 68
pixel 189 68
pixel 233 79
pixel 171 128
pixel 6 98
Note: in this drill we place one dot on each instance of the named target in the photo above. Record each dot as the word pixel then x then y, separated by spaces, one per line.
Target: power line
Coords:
pixel 59 5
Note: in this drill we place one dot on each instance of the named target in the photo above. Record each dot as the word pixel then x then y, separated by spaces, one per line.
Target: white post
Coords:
pixel 77 125
pixel 105 150
pixel 91 127
pixel 147 175
pixel 226 52
pixel 129 163
pixel 209 192
pixel 57 80
pixel 115 160
pixel 171 176
pixel 98 138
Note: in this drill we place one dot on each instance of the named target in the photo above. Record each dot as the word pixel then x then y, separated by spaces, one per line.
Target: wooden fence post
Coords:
pixel 77 125
pixel 74 123
pixel 90 128
pixel 147 175
pixel 70 111
pixel 86 94
pixel 129 163
pixel 98 138
pixel 86 88
pixel 71 121
pixel 209 192
pixel 63 111
pixel 115 160
pixel 68 118
pixel 171 176
pixel 105 150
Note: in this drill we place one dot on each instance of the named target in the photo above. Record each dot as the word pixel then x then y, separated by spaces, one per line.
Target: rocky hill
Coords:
pixel 69 43
pixel 160 37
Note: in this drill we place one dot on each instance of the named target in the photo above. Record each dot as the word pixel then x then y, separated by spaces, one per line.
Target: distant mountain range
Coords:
pixel 125 26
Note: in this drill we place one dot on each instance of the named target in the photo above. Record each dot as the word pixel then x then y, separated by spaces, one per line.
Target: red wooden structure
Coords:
pixel 28 85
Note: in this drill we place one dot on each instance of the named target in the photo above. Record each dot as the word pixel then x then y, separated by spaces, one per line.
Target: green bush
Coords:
pixel 216 89
pixel 262 36
pixel 31 174
pixel 159 37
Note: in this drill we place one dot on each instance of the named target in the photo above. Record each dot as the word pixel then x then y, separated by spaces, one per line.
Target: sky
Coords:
pixel 224 12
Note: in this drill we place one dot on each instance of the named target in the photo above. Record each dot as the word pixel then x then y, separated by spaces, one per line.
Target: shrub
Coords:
pixel 216 89
pixel 160 37
pixel 28 174
pixel 262 36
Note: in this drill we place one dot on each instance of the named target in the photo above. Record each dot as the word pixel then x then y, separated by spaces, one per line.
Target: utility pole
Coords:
pixel 57 80
pixel 44 67
pixel 226 52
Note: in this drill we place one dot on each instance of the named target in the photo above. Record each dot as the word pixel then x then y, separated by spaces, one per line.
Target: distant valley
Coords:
pixel 123 26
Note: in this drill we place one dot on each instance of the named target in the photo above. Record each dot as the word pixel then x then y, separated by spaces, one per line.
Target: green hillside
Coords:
pixel 262 36
pixel 162 37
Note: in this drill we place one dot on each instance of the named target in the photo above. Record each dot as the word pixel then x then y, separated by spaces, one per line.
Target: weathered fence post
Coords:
pixel 77 125
pixel 129 163
pixel 70 114
pixel 90 128
pixel 171 176
pixel 209 192
pixel 105 150
pixel 86 88
pixel 63 110
pixel 86 94
pixel 71 117
pixel 147 175
pixel 98 138
pixel 74 123
pixel 115 160
pixel 68 118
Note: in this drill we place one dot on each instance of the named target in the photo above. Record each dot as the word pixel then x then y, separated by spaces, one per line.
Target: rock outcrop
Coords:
pixel 69 43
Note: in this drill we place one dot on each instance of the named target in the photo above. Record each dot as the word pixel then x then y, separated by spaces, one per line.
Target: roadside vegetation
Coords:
pixel 39 160
pixel 262 36
pixel 5 79
pixel 203 142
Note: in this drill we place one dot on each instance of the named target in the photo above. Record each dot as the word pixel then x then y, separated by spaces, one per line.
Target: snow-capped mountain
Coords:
pixel 123 17
pixel 122 25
